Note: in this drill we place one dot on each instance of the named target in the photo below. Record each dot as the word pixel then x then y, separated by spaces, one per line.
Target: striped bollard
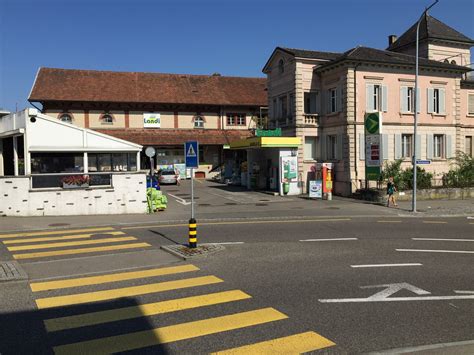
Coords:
pixel 192 233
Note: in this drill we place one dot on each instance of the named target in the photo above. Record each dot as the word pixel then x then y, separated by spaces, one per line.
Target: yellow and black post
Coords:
pixel 192 233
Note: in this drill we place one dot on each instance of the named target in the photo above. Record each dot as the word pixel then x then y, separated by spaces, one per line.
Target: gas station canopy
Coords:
pixel 266 142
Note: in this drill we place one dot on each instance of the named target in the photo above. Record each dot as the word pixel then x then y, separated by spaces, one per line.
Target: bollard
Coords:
pixel 192 233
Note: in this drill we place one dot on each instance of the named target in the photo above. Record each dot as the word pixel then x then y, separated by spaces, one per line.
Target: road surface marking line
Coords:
pixel 293 344
pixel 96 280
pixel 228 243
pixel 327 239
pixel 45 254
pixel 464 292
pixel 241 222
pixel 180 200
pixel 435 222
pixel 445 239
pixel 50 239
pixel 397 299
pixel 144 310
pixel 389 221
pixel 438 251
pixel 171 333
pixel 88 297
pixel 385 265
pixel 70 244
pixel 63 231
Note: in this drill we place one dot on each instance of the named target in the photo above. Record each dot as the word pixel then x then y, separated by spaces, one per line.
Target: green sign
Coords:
pixel 268 132
pixel 372 173
pixel 372 123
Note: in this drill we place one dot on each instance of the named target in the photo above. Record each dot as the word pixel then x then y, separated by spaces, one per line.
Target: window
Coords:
pixel 198 121
pixel 376 98
pixel 66 117
pixel 436 102
pixel 407 144
pixel 236 119
pixel 104 162
pixel 332 100
pixel 47 163
pixel 438 146
pixel 310 144
pixel 281 66
pixel 470 104
pixel 407 99
pixel 107 118
pixel 332 147
pixel 310 102
pixel 453 62
pixel 283 107
pixel 292 107
pixel 469 145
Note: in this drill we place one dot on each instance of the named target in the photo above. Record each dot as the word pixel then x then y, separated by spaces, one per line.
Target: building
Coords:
pixel 159 110
pixel 323 98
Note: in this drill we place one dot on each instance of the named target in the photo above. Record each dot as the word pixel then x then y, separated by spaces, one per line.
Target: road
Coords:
pixel 340 284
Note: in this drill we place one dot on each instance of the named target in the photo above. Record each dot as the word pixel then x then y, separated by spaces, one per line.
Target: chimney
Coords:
pixel 392 39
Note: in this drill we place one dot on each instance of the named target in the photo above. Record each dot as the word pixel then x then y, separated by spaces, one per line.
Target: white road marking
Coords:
pixel 470 217
pixel 326 239
pixel 438 251
pixel 180 200
pixel 386 265
pixel 464 292
pixel 228 243
pixel 446 239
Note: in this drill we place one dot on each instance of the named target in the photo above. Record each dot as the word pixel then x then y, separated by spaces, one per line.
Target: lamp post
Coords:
pixel 413 202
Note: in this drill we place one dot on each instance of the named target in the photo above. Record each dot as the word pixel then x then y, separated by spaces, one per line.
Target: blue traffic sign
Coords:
pixel 191 152
pixel 423 161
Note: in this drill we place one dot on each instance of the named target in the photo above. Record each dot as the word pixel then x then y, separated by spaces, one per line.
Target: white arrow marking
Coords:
pixel 393 288
pixel 180 200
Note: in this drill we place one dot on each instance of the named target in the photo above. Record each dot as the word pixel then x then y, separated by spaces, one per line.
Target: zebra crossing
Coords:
pixel 73 242
pixel 72 306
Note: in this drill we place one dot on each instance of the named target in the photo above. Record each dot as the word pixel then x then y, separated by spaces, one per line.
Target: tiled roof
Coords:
pixel 305 53
pixel 430 27
pixel 366 54
pixel 145 136
pixel 132 87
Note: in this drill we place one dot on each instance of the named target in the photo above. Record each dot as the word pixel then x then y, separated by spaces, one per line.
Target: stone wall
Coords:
pixel 126 195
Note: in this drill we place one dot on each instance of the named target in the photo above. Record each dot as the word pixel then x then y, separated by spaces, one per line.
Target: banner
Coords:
pixel 151 120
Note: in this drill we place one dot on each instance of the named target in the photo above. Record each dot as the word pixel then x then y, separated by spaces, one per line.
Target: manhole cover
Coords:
pixel 264 200
pixel 11 270
pixel 186 253
pixel 261 204
pixel 230 203
pixel 58 224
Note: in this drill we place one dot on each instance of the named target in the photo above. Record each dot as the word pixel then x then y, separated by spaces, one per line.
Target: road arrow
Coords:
pixel 390 289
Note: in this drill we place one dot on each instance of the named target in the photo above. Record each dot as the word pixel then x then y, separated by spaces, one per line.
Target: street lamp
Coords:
pixel 413 202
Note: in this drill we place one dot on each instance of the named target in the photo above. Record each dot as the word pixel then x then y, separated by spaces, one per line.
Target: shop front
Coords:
pixel 271 164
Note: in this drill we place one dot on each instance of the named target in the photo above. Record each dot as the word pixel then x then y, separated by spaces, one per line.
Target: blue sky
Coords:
pixel 192 36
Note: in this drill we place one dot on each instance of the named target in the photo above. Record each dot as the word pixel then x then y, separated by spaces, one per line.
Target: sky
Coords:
pixel 229 37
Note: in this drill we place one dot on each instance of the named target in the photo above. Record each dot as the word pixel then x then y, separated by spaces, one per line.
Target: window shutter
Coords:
pixel 418 147
pixel 312 102
pixel 384 98
pixel 442 105
pixel 430 98
pixel 398 146
pixel 339 145
pixel 470 105
pixel 328 101
pixel 429 146
pixel 418 100
pixel 339 102
pixel 361 146
pixel 449 151
pixel 403 99
pixel 318 102
pixel 323 147
pixel 369 98
pixel 384 146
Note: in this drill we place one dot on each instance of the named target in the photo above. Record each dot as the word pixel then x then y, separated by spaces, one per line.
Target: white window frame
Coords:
pixel 107 118
pixel 468 145
pixel 198 121
pixel 439 146
pixel 65 114
pixel 410 99
pixel 407 146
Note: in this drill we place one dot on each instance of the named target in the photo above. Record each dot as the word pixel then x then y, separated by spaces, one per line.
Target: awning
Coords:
pixel 266 142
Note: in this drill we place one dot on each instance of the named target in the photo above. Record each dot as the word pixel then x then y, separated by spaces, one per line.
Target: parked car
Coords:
pixel 167 177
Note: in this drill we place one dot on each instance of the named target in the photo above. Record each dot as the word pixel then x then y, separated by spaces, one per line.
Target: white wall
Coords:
pixel 127 195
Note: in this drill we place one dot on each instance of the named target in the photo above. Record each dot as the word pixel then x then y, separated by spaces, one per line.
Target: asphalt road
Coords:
pixel 276 279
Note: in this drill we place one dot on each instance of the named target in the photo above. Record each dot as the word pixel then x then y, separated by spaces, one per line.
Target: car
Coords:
pixel 167 177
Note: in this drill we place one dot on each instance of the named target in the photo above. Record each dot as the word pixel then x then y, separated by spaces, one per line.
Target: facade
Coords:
pixel 159 110
pixel 323 98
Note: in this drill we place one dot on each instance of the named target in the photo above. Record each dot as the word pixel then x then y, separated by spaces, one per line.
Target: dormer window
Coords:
pixel 198 121
pixel 66 117
pixel 453 62
pixel 107 118
pixel 281 66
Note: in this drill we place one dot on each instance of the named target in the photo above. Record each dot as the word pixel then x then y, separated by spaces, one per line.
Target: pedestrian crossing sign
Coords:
pixel 191 153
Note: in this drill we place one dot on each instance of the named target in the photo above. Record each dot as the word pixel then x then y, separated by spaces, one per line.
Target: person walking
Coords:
pixel 391 189
pixel 178 177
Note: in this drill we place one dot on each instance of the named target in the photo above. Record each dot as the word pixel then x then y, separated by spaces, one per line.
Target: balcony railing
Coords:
pixel 311 119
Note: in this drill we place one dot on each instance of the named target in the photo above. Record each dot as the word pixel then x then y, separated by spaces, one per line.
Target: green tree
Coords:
pixel 461 173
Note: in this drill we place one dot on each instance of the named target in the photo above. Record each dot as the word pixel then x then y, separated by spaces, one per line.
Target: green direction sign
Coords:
pixel 372 123
pixel 268 133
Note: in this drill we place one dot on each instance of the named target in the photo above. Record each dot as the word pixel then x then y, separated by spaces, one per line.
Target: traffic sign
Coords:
pixel 423 161
pixel 191 153
pixel 372 123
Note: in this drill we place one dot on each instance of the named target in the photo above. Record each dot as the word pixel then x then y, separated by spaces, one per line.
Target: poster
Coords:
pixel 181 170
pixel 151 120
pixel 289 168
pixel 315 188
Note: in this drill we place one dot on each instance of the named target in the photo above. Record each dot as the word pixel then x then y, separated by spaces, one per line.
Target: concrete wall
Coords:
pixel 126 195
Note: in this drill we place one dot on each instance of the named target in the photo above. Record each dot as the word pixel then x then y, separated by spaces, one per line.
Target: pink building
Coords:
pixel 323 97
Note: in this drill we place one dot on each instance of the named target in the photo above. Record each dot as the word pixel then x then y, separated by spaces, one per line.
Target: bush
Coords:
pixel 403 179
pixel 392 169
pixel 462 173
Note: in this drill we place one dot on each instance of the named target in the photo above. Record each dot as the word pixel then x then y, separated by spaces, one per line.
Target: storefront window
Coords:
pixel 46 163
pixel 102 162
pixel 120 162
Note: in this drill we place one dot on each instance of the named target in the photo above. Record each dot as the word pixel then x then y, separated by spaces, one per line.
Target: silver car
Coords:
pixel 167 177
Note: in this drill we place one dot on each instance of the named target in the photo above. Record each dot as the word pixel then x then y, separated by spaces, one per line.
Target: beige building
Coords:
pixel 323 97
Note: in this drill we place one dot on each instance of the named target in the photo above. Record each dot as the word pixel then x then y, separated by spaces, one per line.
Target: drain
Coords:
pixel 261 204
pixel 230 203
pixel 11 270
pixel 332 208
pixel 58 225
pixel 264 200
pixel 204 204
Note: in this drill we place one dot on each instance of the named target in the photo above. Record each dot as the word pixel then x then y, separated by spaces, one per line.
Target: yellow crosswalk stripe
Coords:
pixel 293 344
pixel 171 333
pixel 51 239
pixel 70 244
pixel 145 310
pixel 113 294
pixel 63 231
pixel 123 276
pixel 45 254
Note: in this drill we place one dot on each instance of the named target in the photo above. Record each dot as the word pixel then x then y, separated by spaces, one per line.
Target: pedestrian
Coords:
pixel 391 189
pixel 178 177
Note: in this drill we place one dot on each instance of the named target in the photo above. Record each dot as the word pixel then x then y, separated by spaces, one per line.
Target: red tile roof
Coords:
pixel 131 87
pixel 155 137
